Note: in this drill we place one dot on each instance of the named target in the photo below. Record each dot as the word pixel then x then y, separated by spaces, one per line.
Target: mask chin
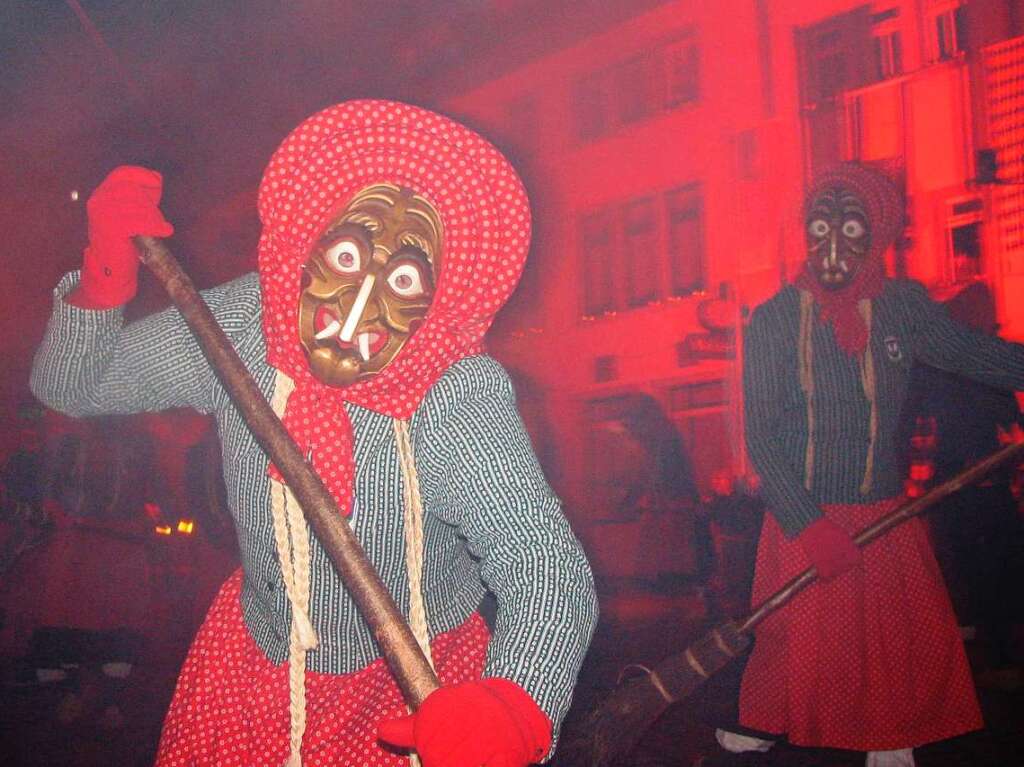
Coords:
pixel 832 280
pixel 334 369
pixel 341 366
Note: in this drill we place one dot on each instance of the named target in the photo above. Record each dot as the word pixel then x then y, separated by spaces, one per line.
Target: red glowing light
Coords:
pixel 922 471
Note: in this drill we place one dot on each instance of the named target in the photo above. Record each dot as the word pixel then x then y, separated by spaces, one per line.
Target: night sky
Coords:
pixel 204 91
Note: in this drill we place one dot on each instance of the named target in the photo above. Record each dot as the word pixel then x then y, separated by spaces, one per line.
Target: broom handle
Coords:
pixel 405 659
pixel 883 525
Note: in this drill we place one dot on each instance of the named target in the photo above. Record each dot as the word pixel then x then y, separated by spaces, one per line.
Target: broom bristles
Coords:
pixel 613 728
pixel 616 725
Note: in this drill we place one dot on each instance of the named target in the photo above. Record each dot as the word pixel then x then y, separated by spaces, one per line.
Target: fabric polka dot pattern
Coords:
pixel 485 216
pixel 230 707
pixel 869 661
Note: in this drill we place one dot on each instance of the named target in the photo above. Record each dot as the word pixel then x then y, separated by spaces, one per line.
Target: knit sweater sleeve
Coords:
pixel 480 473
pixel 92 362
pixel 942 342
pixel 763 402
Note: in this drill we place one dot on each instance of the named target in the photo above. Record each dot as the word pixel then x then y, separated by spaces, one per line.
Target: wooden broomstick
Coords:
pixel 614 727
pixel 405 659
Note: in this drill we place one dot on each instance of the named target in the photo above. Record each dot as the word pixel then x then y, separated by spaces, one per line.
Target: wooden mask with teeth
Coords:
pixel 838 236
pixel 391 236
pixel 368 283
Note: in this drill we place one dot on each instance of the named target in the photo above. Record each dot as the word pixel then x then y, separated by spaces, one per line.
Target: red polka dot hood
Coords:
pixel 485 216
pixel 884 211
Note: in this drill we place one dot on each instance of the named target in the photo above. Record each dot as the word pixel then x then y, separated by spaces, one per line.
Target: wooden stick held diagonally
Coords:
pixel 614 727
pixel 405 659
pixel 898 516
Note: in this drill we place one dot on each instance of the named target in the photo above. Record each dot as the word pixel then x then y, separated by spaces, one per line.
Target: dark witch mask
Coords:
pixel 838 237
pixel 368 283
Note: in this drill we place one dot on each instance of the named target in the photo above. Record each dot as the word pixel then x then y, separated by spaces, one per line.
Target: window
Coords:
pixel 596 262
pixel 965 244
pixel 682 66
pixel 888 55
pixel 640 251
pixel 834 56
pixel 950 33
pixel 685 213
pixel 636 89
pixel 964 239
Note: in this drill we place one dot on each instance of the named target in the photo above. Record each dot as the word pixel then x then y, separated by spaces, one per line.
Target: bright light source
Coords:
pixel 185 526
pixel 162 529
pixel 74 195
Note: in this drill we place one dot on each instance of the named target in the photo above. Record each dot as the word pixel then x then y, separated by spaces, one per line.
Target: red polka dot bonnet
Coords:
pixel 485 216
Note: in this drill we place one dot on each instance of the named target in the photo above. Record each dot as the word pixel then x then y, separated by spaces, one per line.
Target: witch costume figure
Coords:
pixel 870 659
pixel 390 238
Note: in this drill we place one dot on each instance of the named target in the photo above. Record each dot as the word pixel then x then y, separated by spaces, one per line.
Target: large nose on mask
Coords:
pixel 833 248
pixel 359 307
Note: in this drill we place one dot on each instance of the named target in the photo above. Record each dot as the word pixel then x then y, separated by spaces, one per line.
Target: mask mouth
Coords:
pixel 834 277
pixel 367 343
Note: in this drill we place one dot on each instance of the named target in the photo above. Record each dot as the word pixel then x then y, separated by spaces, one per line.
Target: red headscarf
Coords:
pixel 485 214
pixel 885 217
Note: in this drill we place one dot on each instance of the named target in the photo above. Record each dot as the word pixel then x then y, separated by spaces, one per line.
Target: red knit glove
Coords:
pixel 124 205
pixel 490 723
pixel 829 547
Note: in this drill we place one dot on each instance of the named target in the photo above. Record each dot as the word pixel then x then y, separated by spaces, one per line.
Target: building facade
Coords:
pixel 666 156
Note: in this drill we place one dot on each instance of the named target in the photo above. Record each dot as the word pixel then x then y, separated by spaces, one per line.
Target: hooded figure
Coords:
pixel 870 658
pixel 391 236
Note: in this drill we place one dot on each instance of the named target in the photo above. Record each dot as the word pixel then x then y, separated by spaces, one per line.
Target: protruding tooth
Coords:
pixel 364 346
pixel 329 331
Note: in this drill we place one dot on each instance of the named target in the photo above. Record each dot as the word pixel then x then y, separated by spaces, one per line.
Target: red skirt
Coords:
pixel 230 707
pixel 870 661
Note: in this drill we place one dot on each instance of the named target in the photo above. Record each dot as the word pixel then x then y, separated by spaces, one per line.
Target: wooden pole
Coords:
pixel 897 516
pixel 405 659
pixel 613 728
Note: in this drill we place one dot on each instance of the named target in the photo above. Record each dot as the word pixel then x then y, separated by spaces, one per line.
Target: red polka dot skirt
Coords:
pixel 231 704
pixel 869 661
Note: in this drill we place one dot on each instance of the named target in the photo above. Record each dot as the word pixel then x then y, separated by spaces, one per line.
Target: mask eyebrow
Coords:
pixel 418 242
pixel 359 218
pixel 425 218
pixel 383 194
pixel 851 203
pixel 824 203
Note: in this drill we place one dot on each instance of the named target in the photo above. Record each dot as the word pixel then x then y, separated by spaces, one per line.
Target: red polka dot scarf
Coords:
pixel 885 215
pixel 486 218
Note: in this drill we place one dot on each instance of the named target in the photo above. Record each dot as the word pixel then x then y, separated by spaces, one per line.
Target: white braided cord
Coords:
pixel 412 514
pixel 291 536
